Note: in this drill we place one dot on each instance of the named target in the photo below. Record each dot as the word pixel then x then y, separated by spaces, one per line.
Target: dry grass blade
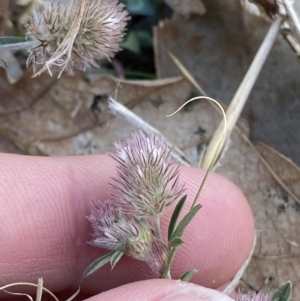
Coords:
pixel 193 81
pixel 238 102
pixel 186 73
pixel 38 286
pixel 74 295
pixel 39 291
pixel 293 16
pixel 219 145
pixel 18 294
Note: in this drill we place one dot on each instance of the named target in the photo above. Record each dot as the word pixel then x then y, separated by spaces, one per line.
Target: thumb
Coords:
pixel 161 290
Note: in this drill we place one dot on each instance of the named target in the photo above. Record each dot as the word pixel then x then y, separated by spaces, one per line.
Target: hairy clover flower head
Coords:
pixel 145 186
pixel 253 296
pixel 147 176
pixel 100 29
pixel 116 230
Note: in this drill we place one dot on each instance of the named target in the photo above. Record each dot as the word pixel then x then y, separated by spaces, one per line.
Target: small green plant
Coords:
pixel 147 184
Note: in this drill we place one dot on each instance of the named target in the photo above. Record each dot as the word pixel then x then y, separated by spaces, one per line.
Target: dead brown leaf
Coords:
pixel 285 169
pixel 24 94
pixel 276 257
pixel 50 117
pixel 187 8
pixel 3 15
pixel 8 146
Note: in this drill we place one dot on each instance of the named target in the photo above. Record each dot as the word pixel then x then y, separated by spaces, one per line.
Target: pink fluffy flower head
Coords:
pixel 116 230
pixel 147 176
pixel 145 186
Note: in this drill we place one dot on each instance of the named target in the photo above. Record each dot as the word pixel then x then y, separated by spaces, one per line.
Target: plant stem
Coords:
pixel 167 272
pixel 156 220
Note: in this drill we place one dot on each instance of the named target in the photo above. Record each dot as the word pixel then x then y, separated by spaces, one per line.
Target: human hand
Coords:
pixel 44 203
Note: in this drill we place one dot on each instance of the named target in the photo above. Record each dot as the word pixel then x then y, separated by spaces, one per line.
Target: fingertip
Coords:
pixel 162 290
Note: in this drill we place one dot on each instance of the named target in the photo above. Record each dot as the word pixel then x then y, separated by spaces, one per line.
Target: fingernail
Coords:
pixel 190 292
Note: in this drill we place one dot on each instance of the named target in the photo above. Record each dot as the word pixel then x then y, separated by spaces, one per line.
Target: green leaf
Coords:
pixel 144 38
pixel 143 8
pixel 185 221
pixel 115 258
pixel 12 40
pixel 175 216
pixel 98 263
pixel 188 275
pixel 283 293
pixel 175 242
pixel 131 42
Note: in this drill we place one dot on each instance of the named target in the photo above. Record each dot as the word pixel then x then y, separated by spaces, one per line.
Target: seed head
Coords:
pixel 147 177
pixel 75 34
pixel 116 230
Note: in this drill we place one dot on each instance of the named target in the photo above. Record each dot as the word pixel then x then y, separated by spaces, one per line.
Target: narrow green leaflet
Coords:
pixel 115 258
pixel 175 242
pixel 188 275
pixel 12 40
pixel 98 263
pixel 283 293
pixel 17 43
pixel 185 221
pixel 175 216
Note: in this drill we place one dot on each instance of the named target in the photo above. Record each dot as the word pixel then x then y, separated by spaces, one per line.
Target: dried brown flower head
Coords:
pixel 75 34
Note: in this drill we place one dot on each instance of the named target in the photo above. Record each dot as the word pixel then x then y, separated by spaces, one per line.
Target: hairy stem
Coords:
pixel 156 221
pixel 167 272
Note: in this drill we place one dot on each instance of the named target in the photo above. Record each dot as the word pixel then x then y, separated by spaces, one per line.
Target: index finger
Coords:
pixel 44 229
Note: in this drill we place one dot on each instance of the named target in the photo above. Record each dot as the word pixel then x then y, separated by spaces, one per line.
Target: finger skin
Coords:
pixel 160 290
pixel 44 203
